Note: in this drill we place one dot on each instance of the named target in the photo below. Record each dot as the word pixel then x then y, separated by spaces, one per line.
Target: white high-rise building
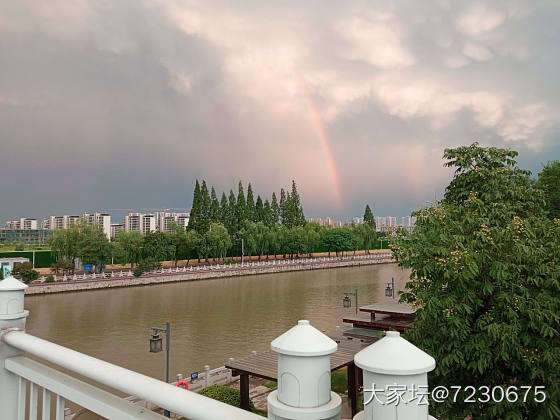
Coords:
pixel 408 222
pixel 385 223
pixel 164 220
pixel 60 222
pixel 115 229
pixel 101 219
pixel 141 222
pixel 23 223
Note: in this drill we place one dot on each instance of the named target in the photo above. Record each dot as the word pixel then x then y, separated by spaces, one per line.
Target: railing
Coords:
pixel 176 400
pixel 380 257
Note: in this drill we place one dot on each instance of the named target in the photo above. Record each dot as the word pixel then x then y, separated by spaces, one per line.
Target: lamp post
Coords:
pixel 347 303
pixel 156 346
pixel 390 289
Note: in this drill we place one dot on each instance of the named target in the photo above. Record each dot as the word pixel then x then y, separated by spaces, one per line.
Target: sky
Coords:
pixel 112 104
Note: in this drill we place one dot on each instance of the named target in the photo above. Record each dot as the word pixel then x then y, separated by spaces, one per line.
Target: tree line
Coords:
pixel 217 230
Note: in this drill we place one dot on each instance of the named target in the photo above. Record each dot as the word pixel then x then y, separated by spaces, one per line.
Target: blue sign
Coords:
pixel 194 376
pixel 88 267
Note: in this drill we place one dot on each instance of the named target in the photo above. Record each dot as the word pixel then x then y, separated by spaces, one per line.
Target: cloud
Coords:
pixel 477 52
pixel 128 102
pixel 479 19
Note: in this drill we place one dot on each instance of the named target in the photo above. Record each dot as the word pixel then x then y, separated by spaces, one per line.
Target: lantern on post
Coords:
pixel 347 302
pixel 156 343
pixel 390 289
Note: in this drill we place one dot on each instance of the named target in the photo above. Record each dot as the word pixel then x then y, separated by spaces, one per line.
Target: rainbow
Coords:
pixel 331 163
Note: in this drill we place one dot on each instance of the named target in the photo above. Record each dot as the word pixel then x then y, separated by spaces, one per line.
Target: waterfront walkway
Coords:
pixel 125 278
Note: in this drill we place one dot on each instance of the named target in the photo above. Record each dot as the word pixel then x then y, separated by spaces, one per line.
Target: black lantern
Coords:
pixel 346 302
pixel 388 290
pixel 156 343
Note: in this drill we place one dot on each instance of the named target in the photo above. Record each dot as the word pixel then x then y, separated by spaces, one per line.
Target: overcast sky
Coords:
pixel 123 103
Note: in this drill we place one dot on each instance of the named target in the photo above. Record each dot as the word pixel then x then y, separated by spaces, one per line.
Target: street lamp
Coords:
pixel 347 303
pixel 156 344
pixel 390 289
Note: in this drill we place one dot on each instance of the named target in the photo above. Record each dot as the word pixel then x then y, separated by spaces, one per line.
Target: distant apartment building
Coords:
pixel 23 223
pixel 59 222
pixel 385 223
pixel 408 222
pixel 327 221
pixel 358 220
pixel 102 220
pixel 141 222
pixel 115 229
pixel 164 220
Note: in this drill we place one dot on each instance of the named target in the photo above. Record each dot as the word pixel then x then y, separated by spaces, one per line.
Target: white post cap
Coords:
pixel 10 283
pixel 393 355
pixel 303 340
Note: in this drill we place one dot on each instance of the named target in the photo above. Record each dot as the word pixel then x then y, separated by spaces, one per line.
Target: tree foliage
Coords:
pixel 549 182
pixel 485 279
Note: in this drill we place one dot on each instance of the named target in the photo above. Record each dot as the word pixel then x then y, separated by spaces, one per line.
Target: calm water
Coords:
pixel 211 320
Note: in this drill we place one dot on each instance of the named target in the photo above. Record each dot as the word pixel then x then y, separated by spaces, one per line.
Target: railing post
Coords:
pixel 304 376
pixel 12 316
pixel 391 365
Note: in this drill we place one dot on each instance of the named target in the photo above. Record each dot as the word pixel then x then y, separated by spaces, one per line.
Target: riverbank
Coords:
pixel 170 275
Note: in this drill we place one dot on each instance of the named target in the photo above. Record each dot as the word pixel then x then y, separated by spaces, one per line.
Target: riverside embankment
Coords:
pixel 125 278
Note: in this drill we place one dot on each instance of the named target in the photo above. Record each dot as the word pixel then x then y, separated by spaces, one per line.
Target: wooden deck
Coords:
pixel 380 323
pixel 265 365
pixel 395 310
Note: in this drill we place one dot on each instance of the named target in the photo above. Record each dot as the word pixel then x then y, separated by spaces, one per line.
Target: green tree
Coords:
pixel 275 210
pixel 214 207
pixel 365 236
pixel 338 240
pixel 261 238
pixel 224 210
pixel 241 207
pixel 93 246
pixel 156 246
pixel 203 223
pixel 368 217
pixel 259 210
pixel 231 222
pixel 282 207
pixel 196 208
pixel 250 204
pixel 485 279
pixel 217 240
pixel 131 244
pixel 312 237
pixel 549 182
pixel 268 216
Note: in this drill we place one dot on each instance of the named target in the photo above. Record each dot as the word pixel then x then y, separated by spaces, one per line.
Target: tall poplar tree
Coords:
pixel 368 217
pixel 241 212
pixel 298 218
pixel 231 218
pixel 214 207
pixel 205 209
pixel 224 208
pixel 268 217
pixel 250 204
pixel 282 206
pixel 275 210
pixel 259 210
pixel 195 210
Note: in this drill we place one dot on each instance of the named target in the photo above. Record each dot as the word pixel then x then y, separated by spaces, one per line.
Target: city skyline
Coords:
pixel 125 104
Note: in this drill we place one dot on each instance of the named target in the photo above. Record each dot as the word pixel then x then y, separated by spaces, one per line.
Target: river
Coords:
pixel 211 320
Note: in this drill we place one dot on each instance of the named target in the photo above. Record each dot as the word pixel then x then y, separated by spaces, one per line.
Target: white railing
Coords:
pixel 176 400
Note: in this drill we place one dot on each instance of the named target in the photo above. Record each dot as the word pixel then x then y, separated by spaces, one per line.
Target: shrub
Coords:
pixel 149 264
pixel 339 381
pixel 138 272
pixel 19 247
pixel 49 278
pixel 225 394
pixel 29 275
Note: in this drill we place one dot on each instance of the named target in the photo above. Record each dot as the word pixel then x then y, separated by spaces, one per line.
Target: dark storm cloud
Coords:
pixel 123 104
